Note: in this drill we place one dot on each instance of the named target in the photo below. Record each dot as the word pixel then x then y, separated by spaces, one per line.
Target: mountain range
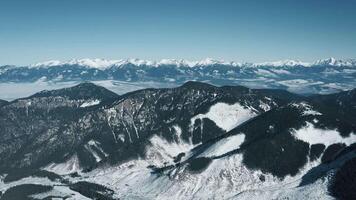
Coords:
pixel 322 76
pixel 103 63
pixel 195 141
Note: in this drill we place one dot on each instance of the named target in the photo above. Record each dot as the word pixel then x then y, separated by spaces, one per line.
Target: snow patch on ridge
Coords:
pixel 161 151
pixel 67 167
pixel 223 146
pixel 227 116
pixel 313 135
pixel 94 144
pixel 90 103
pixel 307 109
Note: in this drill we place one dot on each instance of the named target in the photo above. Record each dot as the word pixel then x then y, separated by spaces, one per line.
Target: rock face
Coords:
pixel 183 142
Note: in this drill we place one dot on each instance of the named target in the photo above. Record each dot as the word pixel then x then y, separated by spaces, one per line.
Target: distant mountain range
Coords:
pixel 323 76
pixel 195 141
pixel 103 64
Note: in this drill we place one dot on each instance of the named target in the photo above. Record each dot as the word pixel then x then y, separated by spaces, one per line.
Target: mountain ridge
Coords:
pixel 325 76
pixel 232 140
pixel 104 64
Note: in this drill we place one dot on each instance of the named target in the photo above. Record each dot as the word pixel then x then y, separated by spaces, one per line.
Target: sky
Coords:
pixel 231 30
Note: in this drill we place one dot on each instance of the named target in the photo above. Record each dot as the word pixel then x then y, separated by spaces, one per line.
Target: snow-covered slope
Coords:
pixel 196 141
pixel 227 116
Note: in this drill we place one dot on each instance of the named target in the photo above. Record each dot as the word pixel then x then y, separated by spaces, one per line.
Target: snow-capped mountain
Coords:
pixel 284 63
pixel 195 141
pixel 323 76
pixel 334 62
pixel 103 63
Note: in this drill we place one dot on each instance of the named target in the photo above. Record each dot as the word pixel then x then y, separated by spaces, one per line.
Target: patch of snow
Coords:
pixel 227 116
pixel 311 112
pixel 90 147
pixel 68 167
pixel 121 137
pixel 178 132
pixel 224 145
pixel 280 71
pixel 263 72
pixel 299 85
pixel 313 135
pixel 90 103
pixel 161 151
pixel 264 106
pixel 307 109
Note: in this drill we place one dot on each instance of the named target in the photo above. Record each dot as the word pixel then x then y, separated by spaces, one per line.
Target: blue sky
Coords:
pixel 252 31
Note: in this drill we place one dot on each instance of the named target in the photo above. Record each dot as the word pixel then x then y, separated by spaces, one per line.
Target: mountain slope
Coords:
pixel 117 127
pixel 30 126
pixel 180 143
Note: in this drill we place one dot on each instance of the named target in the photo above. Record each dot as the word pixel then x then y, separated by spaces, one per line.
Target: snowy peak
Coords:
pixel 283 63
pixel 94 63
pixel 49 63
pixel 210 61
pixel 86 62
pixel 335 62
pixel 104 64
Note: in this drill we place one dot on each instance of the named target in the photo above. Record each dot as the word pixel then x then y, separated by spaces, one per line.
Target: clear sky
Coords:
pixel 251 30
